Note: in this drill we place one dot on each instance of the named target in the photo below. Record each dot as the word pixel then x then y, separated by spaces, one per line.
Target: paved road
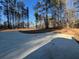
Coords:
pixel 59 48
pixel 16 45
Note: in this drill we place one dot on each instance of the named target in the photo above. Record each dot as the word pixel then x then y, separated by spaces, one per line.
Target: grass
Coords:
pixel 70 31
pixel 17 29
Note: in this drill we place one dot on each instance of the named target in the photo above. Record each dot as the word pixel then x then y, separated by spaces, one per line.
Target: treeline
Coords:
pixel 16 12
pixel 54 14
pixel 48 14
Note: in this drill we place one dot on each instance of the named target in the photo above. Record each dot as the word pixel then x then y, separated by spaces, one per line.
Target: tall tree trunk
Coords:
pixel 36 24
pixel 46 20
pixel 27 22
pixel 8 20
pixel 14 17
pixel 27 17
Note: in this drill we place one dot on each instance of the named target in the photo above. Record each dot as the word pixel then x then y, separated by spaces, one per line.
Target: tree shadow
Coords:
pixel 39 31
pixel 58 48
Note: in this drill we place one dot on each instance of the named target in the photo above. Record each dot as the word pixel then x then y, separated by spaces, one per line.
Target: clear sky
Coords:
pixel 31 4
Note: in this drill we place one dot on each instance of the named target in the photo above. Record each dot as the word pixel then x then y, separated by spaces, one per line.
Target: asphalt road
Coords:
pixel 16 45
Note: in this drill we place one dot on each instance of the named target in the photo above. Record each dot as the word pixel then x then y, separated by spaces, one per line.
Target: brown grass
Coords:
pixel 70 31
pixel 17 29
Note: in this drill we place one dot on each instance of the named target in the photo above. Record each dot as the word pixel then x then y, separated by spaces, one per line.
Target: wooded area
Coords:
pixel 48 14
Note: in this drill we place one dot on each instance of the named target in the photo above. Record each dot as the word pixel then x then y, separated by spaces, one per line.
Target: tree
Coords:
pixel 15 11
pixel 36 16
pixel 22 12
pixel 56 7
pixel 9 10
pixel 43 6
pixel 0 15
pixel 5 3
pixel 76 6
pixel 76 10
pixel 27 16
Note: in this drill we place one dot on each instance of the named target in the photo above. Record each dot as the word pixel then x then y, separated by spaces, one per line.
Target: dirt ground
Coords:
pixel 70 31
pixel 20 29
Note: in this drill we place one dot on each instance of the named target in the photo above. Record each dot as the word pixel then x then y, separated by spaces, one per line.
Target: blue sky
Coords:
pixel 31 4
pixel 69 4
